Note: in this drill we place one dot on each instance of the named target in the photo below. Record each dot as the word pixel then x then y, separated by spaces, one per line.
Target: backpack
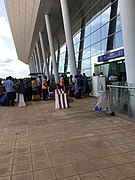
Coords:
pixel 3 100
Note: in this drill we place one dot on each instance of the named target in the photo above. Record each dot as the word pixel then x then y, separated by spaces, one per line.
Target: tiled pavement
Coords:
pixel 39 142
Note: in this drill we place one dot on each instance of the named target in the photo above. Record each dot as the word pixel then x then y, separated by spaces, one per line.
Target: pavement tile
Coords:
pixel 5 170
pixel 56 152
pixel 130 156
pixel 52 145
pixel 122 148
pixel 128 169
pixel 71 178
pixel 112 174
pixel 60 160
pixel 6 160
pixel 78 156
pixel 101 163
pixel 6 152
pixel 83 167
pixel 91 176
pixel 22 168
pixel 22 158
pixel 22 150
pixel 118 159
pixel 44 174
pixel 25 176
pixel 64 171
pixel 5 178
pixel 42 164
pixel 64 143
pixel 39 155
pixel 38 147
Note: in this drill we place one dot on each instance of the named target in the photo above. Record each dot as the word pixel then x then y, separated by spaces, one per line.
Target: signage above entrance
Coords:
pixel 111 55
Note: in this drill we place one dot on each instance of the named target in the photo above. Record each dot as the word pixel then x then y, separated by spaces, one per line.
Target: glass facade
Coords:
pixel 102 32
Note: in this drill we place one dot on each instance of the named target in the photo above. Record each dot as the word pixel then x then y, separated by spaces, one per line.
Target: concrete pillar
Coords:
pixel 39 58
pixel 68 34
pixel 127 11
pixel 35 57
pixel 52 50
pixel 34 64
pixel 128 29
pixel 34 61
pixel 44 56
pixel 30 67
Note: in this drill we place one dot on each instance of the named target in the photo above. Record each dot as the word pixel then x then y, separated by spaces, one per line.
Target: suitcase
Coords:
pixel 36 97
pixel 3 100
pixel 77 95
pixel 71 93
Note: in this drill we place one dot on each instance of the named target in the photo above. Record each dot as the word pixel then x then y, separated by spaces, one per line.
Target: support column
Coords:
pixel 68 34
pixel 44 56
pixel 127 11
pixel 128 28
pixel 52 50
pixel 35 57
pixel 81 46
pixel 34 64
pixel 30 67
pixel 39 58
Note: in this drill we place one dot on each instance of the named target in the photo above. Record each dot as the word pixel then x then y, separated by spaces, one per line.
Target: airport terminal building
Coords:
pixel 75 36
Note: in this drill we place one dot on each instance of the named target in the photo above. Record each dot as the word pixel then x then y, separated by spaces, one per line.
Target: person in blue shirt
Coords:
pixel 9 87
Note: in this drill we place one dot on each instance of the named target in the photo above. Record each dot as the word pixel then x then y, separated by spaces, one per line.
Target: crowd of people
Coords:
pixel 40 88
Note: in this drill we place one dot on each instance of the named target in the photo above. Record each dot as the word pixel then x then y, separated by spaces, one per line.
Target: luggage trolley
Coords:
pixel 103 103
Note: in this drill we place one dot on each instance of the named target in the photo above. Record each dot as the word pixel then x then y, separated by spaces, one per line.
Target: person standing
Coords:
pixel 9 87
pixel 45 88
pixel 39 85
pixel 62 82
pixel 22 95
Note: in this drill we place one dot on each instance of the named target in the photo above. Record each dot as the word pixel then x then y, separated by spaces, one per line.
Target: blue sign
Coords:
pixel 112 55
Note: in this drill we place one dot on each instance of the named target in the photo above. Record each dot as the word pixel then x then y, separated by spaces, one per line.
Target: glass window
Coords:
pixel 95 37
pixel 118 24
pixel 87 30
pixel 86 53
pixel 104 31
pixel 76 38
pixel 118 9
pixel 95 24
pixel 86 64
pixel 87 42
pixel 61 66
pixel 105 16
pixel 62 57
pixel 76 56
pixel 118 40
pixel 63 49
pixel 76 47
pixel 103 45
pixel 86 71
pixel 95 49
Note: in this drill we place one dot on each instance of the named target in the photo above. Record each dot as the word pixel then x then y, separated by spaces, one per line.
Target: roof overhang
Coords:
pixel 26 18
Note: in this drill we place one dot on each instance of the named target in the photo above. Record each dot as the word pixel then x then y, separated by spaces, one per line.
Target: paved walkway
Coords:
pixel 39 142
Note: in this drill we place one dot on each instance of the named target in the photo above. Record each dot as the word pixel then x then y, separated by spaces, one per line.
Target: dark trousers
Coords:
pixel 45 93
pixel 10 97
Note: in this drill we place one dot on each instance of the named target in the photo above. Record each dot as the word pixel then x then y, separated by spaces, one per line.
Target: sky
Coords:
pixel 9 63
